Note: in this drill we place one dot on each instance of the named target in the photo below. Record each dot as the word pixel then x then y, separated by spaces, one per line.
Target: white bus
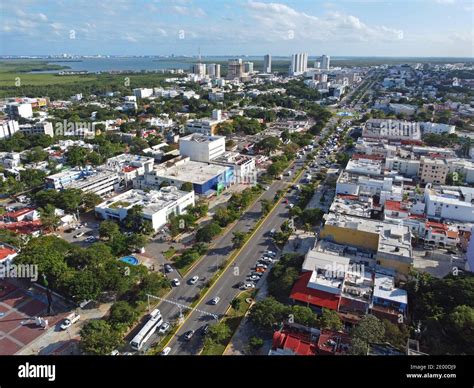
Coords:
pixel 155 321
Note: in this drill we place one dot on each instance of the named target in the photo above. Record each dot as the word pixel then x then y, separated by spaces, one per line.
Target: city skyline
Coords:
pixel 163 27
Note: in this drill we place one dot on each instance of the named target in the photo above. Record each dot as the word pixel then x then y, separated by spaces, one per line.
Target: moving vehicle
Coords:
pixel 164 328
pixel 70 320
pixel 189 334
pixel 215 300
pixel 176 282
pixel 155 320
pixel 165 351
pixel 193 280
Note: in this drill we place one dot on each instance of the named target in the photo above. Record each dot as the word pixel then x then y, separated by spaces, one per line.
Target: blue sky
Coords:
pixel 236 27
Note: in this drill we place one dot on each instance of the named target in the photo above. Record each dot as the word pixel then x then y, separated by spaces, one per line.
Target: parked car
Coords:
pixel 165 351
pixel 205 329
pixel 168 268
pixel 164 328
pixel 70 320
pixel 260 265
pixel 215 300
pixel 254 278
pixel 247 286
pixel 176 282
pixel 189 334
pixel 79 235
pixel 270 253
pixel 193 280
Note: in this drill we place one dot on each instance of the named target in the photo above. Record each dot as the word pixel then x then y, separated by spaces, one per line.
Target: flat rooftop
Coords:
pixel 152 201
pixel 384 288
pixel 186 170
pixel 200 138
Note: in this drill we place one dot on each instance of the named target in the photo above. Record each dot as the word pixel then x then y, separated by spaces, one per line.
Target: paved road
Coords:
pixel 225 286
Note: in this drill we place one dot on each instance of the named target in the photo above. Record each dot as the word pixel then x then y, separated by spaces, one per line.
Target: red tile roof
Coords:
pixel 395 206
pixel 332 342
pixel 302 293
pixel 5 252
pixel 18 213
pixel 299 343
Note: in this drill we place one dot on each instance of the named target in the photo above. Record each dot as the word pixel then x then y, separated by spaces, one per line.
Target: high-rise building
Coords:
pixel 214 70
pixel 248 67
pixel 299 63
pixel 199 69
pixel 325 59
pixel 235 68
pixel 267 63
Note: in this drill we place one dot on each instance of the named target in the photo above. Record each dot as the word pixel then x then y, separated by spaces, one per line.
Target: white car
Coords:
pixel 70 320
pixel 176 282
pixel 270 253
pixel 262 266
pixel 215 300
pixel 194 279
pixel 164 328
pixel 165 351
pixel 247 286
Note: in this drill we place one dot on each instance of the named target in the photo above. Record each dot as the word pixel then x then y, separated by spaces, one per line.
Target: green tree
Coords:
pixel 187 186
pixel 239 239
pixel 108 230
pixel 219 333
pixel 208 232
pixel 48 217
pixel 268 312
pixel 369 330
pixel 84 285
pixel 329 319
pixel 266 206
pixel 98 337
pixel 122 312
pixel 236 303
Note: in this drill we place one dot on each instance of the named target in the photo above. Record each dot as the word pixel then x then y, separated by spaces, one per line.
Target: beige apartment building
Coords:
pixel 433 170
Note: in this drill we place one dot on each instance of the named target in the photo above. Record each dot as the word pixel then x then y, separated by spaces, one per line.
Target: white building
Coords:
pixel 8 128
pixel 243 165
pixel 40 128
pixel 299 63
pixel 16 110
pixel 267 63
pixel 437 128
pixel 199 69
pixel 325 62
pixel 143 92
pixel 391 129
pixel 157 205
pixel 451 204
pixel 214 70
pixel 202 148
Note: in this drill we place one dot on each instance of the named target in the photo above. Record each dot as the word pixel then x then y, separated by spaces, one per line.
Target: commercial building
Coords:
pixel 199 69
pixel 248 67
pixel 235 69
pixel 203 126
pixel 267 63
pixel 214 70
pixel 395 130
pixel 206 178
pixel 157 206
pixel 299 64
pixel 202 148
pixel 325 62
pixel 243 166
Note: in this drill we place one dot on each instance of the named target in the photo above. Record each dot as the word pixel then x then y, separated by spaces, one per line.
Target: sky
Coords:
pixel 436 28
